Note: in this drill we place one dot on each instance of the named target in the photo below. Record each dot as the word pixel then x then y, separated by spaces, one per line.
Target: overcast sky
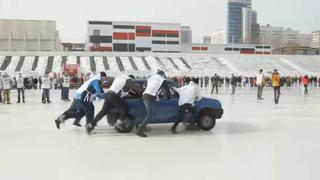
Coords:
pixel 204 16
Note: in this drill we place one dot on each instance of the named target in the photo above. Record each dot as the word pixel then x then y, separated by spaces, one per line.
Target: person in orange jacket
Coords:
pixel 306 81
pixel 276 84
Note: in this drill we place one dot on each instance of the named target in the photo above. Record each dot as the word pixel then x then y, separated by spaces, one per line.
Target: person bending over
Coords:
pixel 188 95
pixel 117 90
pixel 154 84
pixel 83 101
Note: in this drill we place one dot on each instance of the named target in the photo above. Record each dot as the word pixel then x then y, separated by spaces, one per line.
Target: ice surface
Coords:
pixel 254 140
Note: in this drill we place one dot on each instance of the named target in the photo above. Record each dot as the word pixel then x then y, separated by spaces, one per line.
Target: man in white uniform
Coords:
pixel 154 84
pixel 65 87
pixel 20 88
pixel 187 96
pixel 260 84
pixel 118 88
pixel 46 86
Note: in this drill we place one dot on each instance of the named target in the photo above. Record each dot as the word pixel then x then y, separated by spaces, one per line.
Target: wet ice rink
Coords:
pixel 254 140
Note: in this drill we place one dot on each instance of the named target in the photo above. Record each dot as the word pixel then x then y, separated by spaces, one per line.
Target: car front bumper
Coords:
pixel 218 113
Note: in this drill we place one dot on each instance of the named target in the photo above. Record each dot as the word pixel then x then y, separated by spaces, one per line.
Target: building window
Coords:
pixel 96 45
pixel 96 32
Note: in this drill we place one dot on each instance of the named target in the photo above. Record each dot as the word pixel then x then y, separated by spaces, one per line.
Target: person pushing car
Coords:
pixel 187 96
pixel 154 85
pixel 83 101
pixel 119 87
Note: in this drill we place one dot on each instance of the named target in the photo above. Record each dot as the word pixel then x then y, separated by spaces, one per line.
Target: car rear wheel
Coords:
pixel 112 118
pixel 125 126
pixel 206 121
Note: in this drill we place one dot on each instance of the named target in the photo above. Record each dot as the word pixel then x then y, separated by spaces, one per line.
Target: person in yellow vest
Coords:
pixel 276 84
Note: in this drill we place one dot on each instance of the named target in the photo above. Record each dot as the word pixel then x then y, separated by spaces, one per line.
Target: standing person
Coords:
pixel 120 86
pixel 65 87
pixel 215 83
pixel 276 84
pixel 20 88
pixel 154 84
pixel 7 84
pixel 187 96
pixel 206 81
pixel 201 82
pixel 46 80
pixel 260 82
pixel 83 101
pixel 1 87
pixel 306 82
pixel 233 82
pixel 40 82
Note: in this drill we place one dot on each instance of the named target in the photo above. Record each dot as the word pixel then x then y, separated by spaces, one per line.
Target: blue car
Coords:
pixel 166 111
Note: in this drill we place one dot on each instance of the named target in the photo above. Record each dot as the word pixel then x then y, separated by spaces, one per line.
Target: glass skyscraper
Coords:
pixel 242 21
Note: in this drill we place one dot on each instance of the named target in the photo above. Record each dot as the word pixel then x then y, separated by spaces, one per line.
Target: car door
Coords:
pixel 166 110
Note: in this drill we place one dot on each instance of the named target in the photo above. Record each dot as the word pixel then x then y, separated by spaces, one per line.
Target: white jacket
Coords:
pixel 260 79
pixel 189 94
pixel 153 85
pixel 119 83
pixel 6 83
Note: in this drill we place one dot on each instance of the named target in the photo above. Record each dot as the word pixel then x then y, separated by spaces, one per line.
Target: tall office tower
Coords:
pixel 242 26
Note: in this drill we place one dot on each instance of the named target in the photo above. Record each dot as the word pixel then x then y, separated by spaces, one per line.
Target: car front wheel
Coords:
pixel 206 122
pixel 125 126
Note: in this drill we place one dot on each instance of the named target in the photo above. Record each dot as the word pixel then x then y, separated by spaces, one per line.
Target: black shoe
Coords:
pixel 141 134
pixel 23 101
pixel 89 128
pixel 18 101
pixel 9 103
pixel 173 130
pixel 43 102
pixel 77 124
pixel 57 123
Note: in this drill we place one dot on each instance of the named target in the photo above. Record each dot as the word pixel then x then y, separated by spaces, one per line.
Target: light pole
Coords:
pixel 263 44
pixel 128 37
pixel 166 43
pixel 232 44
pixel 166 50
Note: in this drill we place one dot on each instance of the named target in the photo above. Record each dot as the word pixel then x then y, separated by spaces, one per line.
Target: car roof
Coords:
pixel 170 82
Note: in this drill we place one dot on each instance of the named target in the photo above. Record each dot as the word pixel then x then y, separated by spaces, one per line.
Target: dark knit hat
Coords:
pixel 103 74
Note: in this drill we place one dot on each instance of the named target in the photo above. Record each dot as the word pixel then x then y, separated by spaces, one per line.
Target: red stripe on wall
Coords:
pixel 199 48
pixel 123 36
pixel 247 52
pixel 143 28
pixel 172 32
pixel 101 49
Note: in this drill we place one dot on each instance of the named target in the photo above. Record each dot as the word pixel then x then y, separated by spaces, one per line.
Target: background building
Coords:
pixel 29 35
pixel 217 37
pixel 74 46
pixel 207 40
pixel 297 50
pixel 226 48
pixel 316 39
pixel 279 37
pixel 133 37
pixel 242 26
pixel 186 34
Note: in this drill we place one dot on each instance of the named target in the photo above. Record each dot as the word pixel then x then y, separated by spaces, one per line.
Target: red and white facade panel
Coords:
pixel 133 37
